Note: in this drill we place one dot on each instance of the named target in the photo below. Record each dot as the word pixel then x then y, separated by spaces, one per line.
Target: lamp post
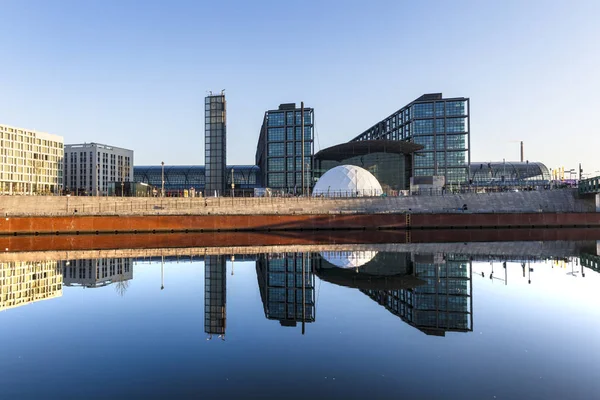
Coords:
pixel 232 185
pixel 162 179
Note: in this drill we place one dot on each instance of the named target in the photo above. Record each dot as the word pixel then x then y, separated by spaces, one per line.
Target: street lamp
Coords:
pixel 232 185
pixel 162 179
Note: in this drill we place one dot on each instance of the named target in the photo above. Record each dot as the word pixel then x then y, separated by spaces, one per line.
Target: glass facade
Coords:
pixel 279 150
pixel 443 303
pixel 391 170
pixel 441 126
pixel 494 174
pixel 181 177
pixel 215 138
pixel 280 284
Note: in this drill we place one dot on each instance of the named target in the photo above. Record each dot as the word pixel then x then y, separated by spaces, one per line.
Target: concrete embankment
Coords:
pixel 46 215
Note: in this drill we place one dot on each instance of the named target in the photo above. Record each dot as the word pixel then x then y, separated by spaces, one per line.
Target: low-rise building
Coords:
pixel 90 167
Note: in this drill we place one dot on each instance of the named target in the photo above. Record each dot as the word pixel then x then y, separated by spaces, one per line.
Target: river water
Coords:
pixel 496 321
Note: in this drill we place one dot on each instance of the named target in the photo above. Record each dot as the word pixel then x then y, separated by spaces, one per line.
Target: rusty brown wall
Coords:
pixel 103 224
pixel 167 223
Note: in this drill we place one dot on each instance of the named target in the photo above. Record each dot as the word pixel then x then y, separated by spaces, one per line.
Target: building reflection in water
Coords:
pixel 93 273
pixel 27 282
pixel 286 296
pixel 444 303
pixel 215 292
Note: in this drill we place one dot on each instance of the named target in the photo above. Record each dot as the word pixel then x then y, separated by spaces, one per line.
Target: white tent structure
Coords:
pixel 347 181
pixel 348 259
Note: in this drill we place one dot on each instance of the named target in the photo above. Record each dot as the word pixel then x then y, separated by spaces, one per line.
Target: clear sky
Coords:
pixel 134 73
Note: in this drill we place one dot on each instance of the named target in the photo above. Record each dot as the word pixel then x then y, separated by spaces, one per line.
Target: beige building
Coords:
pixel 30 162
pixel 27 282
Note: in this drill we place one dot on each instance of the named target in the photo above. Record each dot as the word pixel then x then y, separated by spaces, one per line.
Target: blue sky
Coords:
pixel 134 73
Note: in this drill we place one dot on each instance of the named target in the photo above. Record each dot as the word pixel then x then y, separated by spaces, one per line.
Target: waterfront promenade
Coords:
pixel 57 215
pixel 563 200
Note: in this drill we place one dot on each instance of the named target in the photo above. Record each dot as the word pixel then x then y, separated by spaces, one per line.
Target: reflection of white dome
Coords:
pixel 347 181
pixel 348 259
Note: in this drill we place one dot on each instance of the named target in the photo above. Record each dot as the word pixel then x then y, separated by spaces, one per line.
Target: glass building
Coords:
pixel 215 140
pixel 444 303
pixel 389 161
pixel 279 150
pixel 520 174
pixel 280 283
pixel 441 125
pixel 185 177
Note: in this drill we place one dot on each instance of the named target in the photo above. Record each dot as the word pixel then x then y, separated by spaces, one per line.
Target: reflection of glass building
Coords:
pixel 440 125
pixel 443 304
pixel 215 140
pixel 215 295
pixel 280 283
pixel 389 161
pixel 279 149
pixel 27 282
pixel 99 272
pixel 509 173
pixel 179 177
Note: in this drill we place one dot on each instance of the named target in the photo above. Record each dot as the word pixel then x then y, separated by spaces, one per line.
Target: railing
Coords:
pixel 589 185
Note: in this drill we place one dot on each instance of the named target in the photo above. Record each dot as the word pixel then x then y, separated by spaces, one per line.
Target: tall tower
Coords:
pixel 215 140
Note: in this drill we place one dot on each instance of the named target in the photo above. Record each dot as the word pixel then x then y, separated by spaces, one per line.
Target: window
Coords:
pixel 276 119
pixel 275 164
pixel 455 108
pixel 423 110
pixel 276 134
pixel 276 149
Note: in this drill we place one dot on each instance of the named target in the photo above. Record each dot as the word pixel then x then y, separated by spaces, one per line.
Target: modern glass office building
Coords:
pixel 441 125
pixel 215 141
pixel 279 151
pixel 389 161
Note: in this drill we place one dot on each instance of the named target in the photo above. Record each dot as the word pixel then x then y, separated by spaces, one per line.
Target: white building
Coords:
pixel 91 166
pixel 30 162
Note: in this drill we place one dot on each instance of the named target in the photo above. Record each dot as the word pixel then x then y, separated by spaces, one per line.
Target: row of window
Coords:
pixel 281 118
pixel 289 133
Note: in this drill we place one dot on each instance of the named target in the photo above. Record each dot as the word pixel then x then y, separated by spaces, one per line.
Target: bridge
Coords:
pixel 589 185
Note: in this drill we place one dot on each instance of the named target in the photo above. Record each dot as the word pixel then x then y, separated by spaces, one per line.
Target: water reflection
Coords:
pixel 432 292
pixel 93 273
pixel 24 283
pixel 215 296
pixel 287 287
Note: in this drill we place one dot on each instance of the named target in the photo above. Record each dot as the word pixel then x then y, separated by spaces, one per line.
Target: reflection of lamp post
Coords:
pixel 162 272
pixel 162 179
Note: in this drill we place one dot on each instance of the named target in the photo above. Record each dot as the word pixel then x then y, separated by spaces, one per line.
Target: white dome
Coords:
pixel 348 259
pixel 347 181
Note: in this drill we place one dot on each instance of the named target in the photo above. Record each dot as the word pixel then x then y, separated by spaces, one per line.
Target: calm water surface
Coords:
pixel 363 324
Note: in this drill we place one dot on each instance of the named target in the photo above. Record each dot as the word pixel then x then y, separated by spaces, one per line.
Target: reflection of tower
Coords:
pixel 281 289
pixel 215 273
pixel 443 304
